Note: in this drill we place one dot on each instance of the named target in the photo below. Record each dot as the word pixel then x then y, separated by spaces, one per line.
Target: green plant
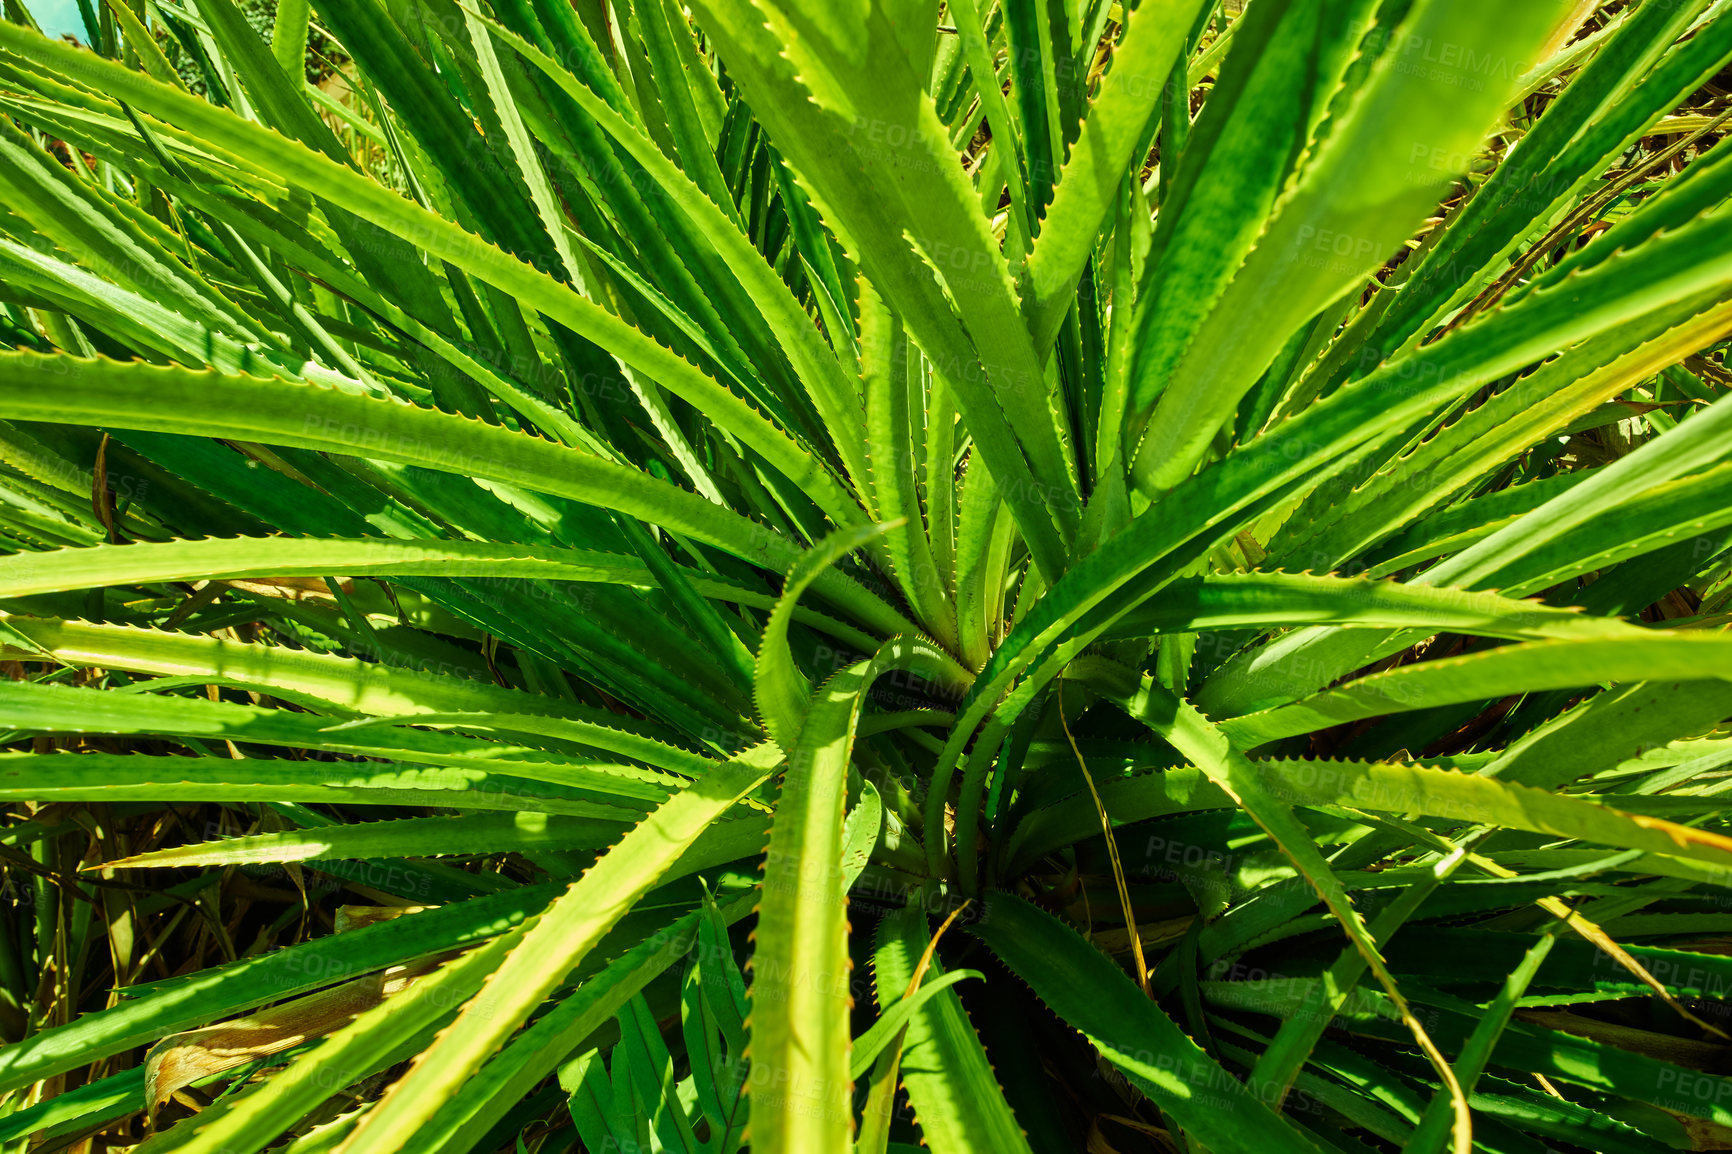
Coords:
pixel 1236 505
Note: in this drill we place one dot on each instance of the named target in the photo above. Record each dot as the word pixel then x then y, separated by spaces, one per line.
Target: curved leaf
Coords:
pixel 1094 996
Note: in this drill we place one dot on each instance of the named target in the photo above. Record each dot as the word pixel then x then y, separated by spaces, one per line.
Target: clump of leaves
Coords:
pixel 807 576
pixel 177 35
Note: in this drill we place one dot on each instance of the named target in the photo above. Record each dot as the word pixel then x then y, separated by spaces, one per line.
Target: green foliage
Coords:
pixel 176 34
pixel 796 576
